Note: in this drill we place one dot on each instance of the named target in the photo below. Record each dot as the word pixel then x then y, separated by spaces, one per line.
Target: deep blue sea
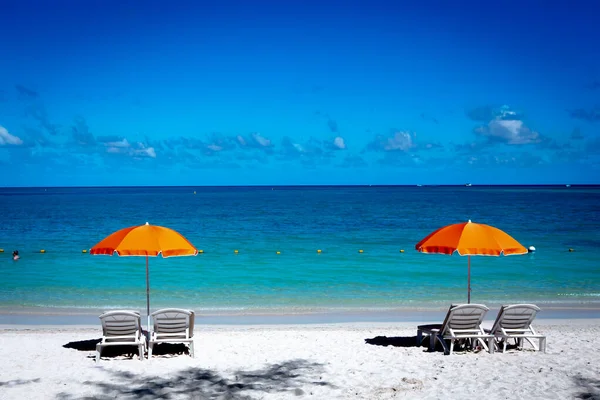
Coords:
pixel 297 221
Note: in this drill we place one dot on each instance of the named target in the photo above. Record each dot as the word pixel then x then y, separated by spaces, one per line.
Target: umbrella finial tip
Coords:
pixel 469 221
pixel 147 223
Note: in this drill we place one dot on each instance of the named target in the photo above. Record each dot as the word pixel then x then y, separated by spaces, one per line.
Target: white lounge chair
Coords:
pixel 462 322
pixel 121 328
pixel 514 322
pixel 172 325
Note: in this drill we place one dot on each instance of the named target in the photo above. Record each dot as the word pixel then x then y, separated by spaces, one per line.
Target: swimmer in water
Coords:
pixel 16 255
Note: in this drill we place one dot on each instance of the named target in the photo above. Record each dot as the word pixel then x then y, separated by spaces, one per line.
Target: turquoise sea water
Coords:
pixel 296 221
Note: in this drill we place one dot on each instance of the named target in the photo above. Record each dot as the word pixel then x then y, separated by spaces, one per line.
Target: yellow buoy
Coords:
pixel 360 251
pixel 194 192
pixel 1 250
pixel 278 252
pixel 571 250
pixel 42 251
pixel 235 251
pixel 84 251
pixel 401 251
pixel 319 251
pixel 200 251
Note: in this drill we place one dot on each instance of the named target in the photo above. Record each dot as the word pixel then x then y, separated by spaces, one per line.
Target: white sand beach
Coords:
pixel 299 361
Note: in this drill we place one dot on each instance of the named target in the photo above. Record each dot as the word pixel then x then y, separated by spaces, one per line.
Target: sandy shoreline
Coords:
pixel 89 316
pixel 321 361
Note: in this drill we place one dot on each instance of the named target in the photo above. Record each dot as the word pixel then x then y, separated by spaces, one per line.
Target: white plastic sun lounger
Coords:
pixel 121 328
pixel 514 322
pixel 462 321
pixel 172 325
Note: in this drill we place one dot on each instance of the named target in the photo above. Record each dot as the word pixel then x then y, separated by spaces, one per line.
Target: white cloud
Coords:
pixel 400 141
pixel 113 150
pixel 124 147
pixel 339 143
pixel 8 139
pixel 261 140
pixel 149 152
pixel 214 147
pixel 119 144
pixel 508 127
pixel 511 131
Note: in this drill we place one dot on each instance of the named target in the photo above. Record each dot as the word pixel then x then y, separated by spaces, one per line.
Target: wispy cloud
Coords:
pixel 135 150
pixel 310 153
pixel 520 159
pixel 254 141
pixel 6 139
pixel 433 145
pixel 489 113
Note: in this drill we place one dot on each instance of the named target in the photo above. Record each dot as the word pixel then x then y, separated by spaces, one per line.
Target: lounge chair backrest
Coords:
pixel 174 321
pixel 125 326
pixel 464 317
pixel 516 316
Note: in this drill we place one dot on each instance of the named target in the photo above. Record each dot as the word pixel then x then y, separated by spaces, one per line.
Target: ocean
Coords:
pixel 296 222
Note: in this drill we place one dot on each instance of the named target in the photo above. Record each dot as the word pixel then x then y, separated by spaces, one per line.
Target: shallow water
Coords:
pixel 297 221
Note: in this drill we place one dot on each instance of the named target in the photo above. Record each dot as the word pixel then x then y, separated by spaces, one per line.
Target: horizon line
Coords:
pixel 309 185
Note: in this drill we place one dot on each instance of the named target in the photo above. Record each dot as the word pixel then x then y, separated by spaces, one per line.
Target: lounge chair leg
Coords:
pixel 141 351
pixel 419 337
pixel 150 346
pixel 543 344
pixel 532 343
pixel 432 342
pixel 192 349
pixel 483 344
pixel 491 345
pixel 98 351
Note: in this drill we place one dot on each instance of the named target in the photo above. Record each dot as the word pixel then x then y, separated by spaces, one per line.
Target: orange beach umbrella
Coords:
pixel 145 240
pixel 470 239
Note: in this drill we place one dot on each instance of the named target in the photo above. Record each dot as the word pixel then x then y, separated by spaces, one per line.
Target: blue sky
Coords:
pixel 298 92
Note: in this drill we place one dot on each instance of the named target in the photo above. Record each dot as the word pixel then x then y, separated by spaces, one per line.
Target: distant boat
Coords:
pixel 419 185
pixel 468 185
pixel 568 185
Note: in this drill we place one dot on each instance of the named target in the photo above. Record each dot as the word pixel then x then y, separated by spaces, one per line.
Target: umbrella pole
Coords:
pixel 469 283
pixel 148 294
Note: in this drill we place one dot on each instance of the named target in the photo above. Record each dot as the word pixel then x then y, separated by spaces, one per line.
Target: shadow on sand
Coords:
pixel 589 388
pixel 411 341
pixel 399 341
pixel 16 382
pixel 291 378
pixel 161 349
